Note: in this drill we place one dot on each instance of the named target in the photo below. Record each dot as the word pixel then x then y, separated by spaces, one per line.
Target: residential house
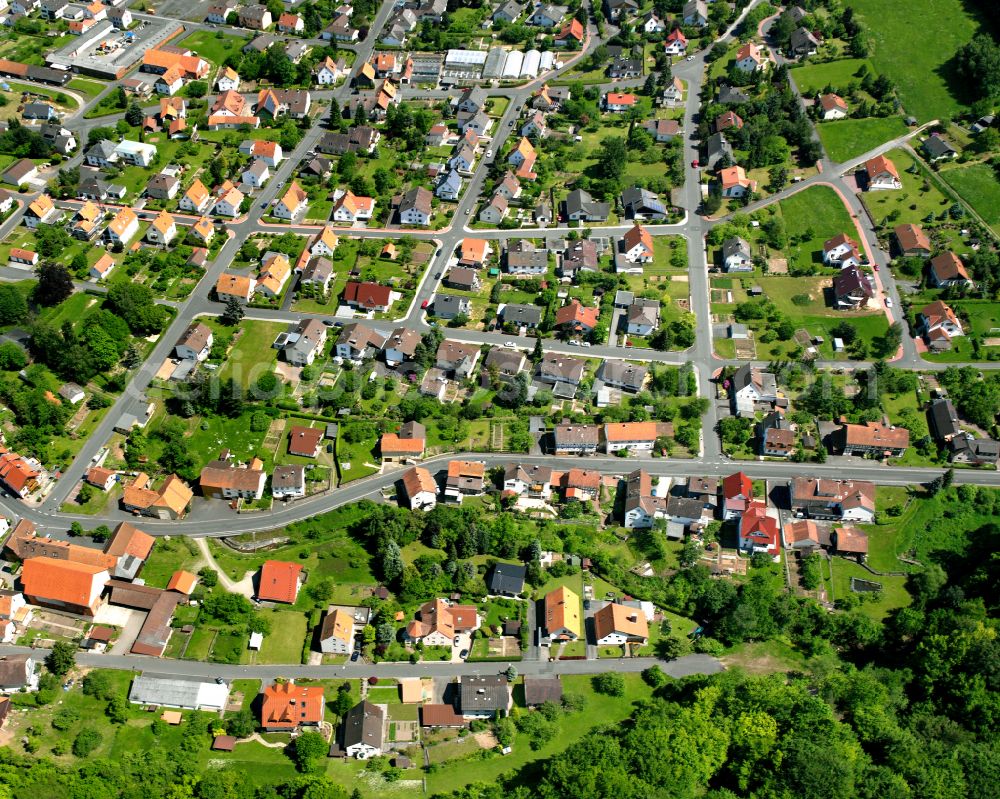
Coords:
pixel 494 212
pixel 576 319
pixel 618 9
pixel 802 42
pixel 637 245
pixel 351 208
pixel 196 199
pixel 735 183
pixel 758 532
pixel 676 42
pixel 662 130
pixel 256 174
pixel 439 623
pixel 171 501
pixel 41 211
pixel 751 58
pixel 695 13
pixel 776 437
pixel 449 187
pixel 619 625
pixel 853 289
pixel 579 439
pixel 451 306
pixel 642 204
pixel 302 342
pixel 532 481
pixel 881 174
pixel 556 368
pixel 943 420
pixel 937 148
pixel 947 269
pixel 287 707
pixel 673 93
pixel 579 256
pixel 19 475
pixel 457 358
pixel 400 346
pixel 508 12
pixel 727 120
pixel 524 258
pixel 642 504
pixel 474 253
pixel 631 436
pixel 579 206
pixel 415 207
pixel 279 581
pixel 419 489
pixel 268 151
pixel 255 17
pixel 224 479
pixel 523 158
pixel 737 493
pixel 336 634
pixel 751 387
pixel 465 479
pixel 938 324
pixel 872 438
pixel 718 151
pixel 162 230
pixel 123 227
pixel 547 16
pixel 974 451
pixel 162 187
pixel 832 106
pixel 529 316
pixel 837 500
pixel 368 296
pixel 195 343
pixel 563 618
pixel 619 102
pixel 911 241
pixel 462 279
pixel 358 342
pixel 239 286
pixel 841 251
pixel 736 255
pixel 485 696
pixel 407 443
pixel 19 255
pixel 364 733
pixel 305 442
pixel 292 204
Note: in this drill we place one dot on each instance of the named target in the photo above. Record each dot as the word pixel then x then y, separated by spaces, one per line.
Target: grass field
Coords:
pixel 252 356
pixel 811 217
pixel 918 197
pixel 978 186
pixel 599 710
pixel 813 78
pixel 214 47
pixel 902 52
pixel 848 138
pixel 284 643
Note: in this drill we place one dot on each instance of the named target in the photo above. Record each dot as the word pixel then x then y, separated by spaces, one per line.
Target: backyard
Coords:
pixel 849 138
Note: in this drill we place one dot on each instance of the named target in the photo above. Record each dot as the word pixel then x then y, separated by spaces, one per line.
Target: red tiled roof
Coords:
pixel 279 581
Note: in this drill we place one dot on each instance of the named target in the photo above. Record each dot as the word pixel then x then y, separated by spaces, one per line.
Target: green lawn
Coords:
pixel 598 710
pixel 252 355
pixel 811 217
pixel 284 643
pixel 848 138
pixel 918 197
pixel 977 184
pixel 901 50
pixel 893 596
pixel 86 86
pixel 813 78
pixel 214 46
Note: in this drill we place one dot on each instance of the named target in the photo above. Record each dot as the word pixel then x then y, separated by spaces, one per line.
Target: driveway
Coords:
pixel 129 620
pixel 463 642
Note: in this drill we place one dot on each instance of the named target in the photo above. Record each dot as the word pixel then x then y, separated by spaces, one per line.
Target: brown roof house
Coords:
pixel 872 438
pixel 171 501
pixel 440 623
pixel 465 479
pixel 224 479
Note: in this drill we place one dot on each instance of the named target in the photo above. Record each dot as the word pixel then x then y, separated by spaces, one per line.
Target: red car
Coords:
pixel 424 304
pixel 694 163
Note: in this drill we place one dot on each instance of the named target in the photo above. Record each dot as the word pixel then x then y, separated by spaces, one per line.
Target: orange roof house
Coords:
pixel 576 317
pixel 620 624
pixel 735 182
pixel 170 502
pixel 474 252
pixel 130 541
pixel 64 584
pixel 17 475
pixel 288 706
pixel 183 582
pixel 230 285
pixel 160 61
pixel 279 581
pixel 391 445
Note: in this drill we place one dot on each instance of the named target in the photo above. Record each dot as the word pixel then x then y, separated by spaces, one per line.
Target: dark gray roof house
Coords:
pixel 364 728
pixel 580 206
pixel 530 315
pixel 542 689
pixel 943 419
pixel 484 695
pixel 448 306
pixel 938 148
pixel 640 203
pixel 507 579
pixel 716 148
pixel 730 95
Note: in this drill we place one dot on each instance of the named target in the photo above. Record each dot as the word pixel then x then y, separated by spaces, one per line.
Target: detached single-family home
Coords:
pixel 841 251
pixel 617 625
pixel 419 489
pixel 832 106
pixel 737 494
pixel 881 174
pixel 751 387
pixel 947 269
pixel 737 255
pixel 911 241
pixel 938 324
pixel 735 183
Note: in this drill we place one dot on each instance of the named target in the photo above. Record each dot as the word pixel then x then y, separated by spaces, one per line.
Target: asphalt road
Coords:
pixel 682 667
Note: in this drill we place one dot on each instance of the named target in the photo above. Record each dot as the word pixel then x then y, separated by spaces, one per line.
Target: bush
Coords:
pixel 610 683
pixel 801 300
pixel 86 741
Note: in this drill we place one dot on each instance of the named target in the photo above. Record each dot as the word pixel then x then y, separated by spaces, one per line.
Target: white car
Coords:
pixel 489 153
pixel 584 343
pixel 690 58
pixel 510 344
pixel 888 302
pixel 573 343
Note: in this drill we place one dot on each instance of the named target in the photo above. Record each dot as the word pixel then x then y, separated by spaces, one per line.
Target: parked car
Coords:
pixel 424 304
